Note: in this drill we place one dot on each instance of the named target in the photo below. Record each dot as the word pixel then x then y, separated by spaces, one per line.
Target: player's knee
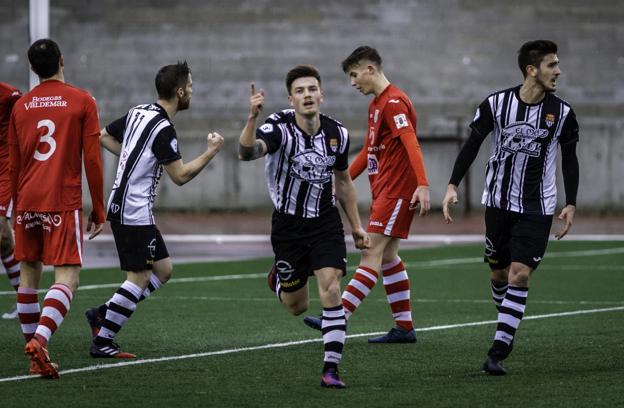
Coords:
pixel 298 307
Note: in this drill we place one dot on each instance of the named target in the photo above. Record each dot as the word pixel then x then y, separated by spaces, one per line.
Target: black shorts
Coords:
pixel 303 245
pixel 515 237
pixel 138 246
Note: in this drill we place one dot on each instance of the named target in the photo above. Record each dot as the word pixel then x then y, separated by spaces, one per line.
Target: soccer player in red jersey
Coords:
pixel 50 130
pixel 8 96
pixel 398 181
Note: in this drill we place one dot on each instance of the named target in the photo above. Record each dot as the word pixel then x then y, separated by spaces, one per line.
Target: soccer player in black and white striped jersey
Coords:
pixel 527 123
pixel 306 151
pixel 146 142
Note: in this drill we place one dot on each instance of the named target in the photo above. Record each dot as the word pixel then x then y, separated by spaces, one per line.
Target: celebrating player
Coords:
pixel 305 151
pixel 51 128
pixel 527 123
pixel 145 141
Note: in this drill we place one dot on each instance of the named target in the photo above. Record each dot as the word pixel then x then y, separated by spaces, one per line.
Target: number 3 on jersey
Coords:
pixel 47 138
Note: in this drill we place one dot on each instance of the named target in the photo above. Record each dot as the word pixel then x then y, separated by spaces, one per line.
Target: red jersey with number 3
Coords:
pixel 389 171
pixel 50 128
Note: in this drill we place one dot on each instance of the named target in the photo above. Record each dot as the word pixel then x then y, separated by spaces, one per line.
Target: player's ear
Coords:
pixel 290 101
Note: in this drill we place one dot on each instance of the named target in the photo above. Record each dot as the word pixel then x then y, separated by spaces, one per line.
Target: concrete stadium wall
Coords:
pixel 448 55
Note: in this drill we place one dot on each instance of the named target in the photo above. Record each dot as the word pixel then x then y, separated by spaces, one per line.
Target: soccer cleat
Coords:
pixel 493 366
pixel 272 278
pixel 95 319
pixel 36 370
pixel 396 335
pixel 313 322
pixel 330 379
pixel 39 356
pixel 109 350
pixel 11 314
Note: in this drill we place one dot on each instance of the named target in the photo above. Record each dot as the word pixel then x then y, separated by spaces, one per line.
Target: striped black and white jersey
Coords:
pixel 520 174
pixel 148 141
pixel 299 168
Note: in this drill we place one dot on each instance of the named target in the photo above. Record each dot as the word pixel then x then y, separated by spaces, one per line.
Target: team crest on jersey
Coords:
pixel 549 119
pixel 376 116
pixel 521 137
pixel 333 145
pixel 266 128
pixel 174 145
pixel 373 164
pixel 400 121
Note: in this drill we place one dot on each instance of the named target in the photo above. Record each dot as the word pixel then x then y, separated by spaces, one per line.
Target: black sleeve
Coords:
pixel 117 127
pixel 570 170
pixel 165 146
pixel 271 134
pixel 570 130
pixel 342 159
pixel 483 122
pixel 466 156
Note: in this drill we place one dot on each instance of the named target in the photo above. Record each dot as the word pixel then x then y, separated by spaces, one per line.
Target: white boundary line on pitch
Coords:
pixel 431 263
pixel 295 343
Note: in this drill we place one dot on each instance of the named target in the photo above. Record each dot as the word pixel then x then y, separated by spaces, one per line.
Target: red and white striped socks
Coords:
pixel 397 286
pixel 28 311
pixel 12 267
pixel 358 288
pixel 56 304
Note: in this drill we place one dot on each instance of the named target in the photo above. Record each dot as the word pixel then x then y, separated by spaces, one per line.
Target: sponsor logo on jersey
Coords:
pixel 376 116
pixel 400 121
pixel 549 119
pixel 371 135
pixel 312 166
pixel 45 102
pixel 151 248
pixel 43 219
pixel 333 145
pixel 373 164
pixel 489 248
pixel 376 223
pixel 266 128
pixel 394 101
pixel 377 148
pixel 521 137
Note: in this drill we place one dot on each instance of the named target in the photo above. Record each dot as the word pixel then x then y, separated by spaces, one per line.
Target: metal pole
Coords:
pixel 39 11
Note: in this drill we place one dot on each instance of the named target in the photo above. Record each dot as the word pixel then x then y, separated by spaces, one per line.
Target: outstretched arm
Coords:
pixel 249 147
pixel 181 173
pixel 345 192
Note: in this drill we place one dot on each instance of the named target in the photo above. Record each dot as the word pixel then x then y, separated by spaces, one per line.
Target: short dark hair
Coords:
pixel 171 77
pixel 301 71
pixel 533 52
pixel 361 53
pixel 45 57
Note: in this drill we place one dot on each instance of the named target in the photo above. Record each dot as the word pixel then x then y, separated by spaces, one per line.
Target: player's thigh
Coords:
pixel 498 224
pixel 138 246
pixel 529 239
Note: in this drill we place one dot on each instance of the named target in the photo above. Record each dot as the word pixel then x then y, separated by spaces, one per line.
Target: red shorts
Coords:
pixel 6 205
pixel 391 217
pixel 55 238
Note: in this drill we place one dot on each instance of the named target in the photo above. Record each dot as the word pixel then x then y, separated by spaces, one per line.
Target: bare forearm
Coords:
pixel 192 168
pixel 347 196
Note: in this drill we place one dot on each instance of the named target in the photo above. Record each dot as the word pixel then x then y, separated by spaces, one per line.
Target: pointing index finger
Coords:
pixel 253 89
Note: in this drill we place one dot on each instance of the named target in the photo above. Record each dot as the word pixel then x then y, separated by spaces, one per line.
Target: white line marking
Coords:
pixel 431 263
pixel 295 343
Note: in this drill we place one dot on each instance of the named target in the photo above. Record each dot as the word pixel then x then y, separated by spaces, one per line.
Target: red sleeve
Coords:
pixel 93 160
pixel 415 157
pixel 397 117
pixel 359 163
pixel 14 160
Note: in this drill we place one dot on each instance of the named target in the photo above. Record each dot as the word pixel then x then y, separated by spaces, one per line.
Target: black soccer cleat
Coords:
pixel 331 379
pixel 313 322
pixel 108 350
pixel 396 335
pixel 493 366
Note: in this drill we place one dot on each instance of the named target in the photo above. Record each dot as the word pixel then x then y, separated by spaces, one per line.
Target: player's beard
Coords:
pixel 184 103
pixel 545 85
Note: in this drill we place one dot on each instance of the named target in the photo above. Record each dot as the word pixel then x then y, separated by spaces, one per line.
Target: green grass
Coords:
pixel 562 361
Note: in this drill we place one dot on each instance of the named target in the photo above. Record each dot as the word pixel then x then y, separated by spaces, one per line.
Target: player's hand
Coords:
pixel 449 198
pixel 421 196
pixel 214 141
pixel 256 101
pixel 361 238
pixel 567 215
pixel 93 227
